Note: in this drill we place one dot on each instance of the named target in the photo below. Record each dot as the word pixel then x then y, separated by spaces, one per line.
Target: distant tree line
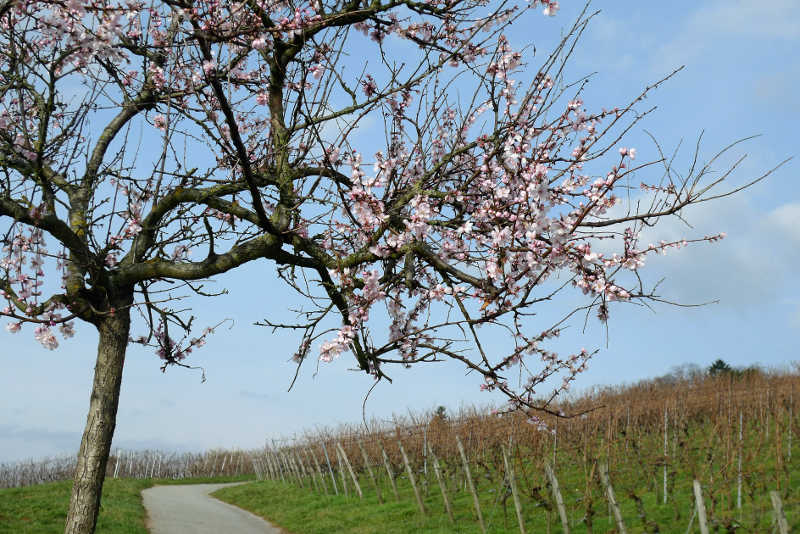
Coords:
pixel 719 367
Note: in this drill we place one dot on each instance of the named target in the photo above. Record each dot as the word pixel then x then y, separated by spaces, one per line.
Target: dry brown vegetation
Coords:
pixel 132 464
pixel 732 432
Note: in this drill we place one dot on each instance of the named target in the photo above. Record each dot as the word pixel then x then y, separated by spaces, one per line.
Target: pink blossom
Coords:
pixel 181 252
pixel 45 336
pixel 157 75
pixel 540 425
pixel 317 71
pixel 14 327
pixel 160 122
pixel 333 155
pixel 330 350
pixel 372 290
pixel 67 329
pixel 551 8
pixel 369 86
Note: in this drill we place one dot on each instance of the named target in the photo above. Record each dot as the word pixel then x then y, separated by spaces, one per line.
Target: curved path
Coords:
pixel 189 509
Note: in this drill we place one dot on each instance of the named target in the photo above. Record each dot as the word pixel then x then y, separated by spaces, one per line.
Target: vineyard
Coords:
pixel 694 455
pixel 133 464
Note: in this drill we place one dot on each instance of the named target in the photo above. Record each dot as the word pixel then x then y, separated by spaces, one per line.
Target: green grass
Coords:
pixel 300 511
pixel 42 509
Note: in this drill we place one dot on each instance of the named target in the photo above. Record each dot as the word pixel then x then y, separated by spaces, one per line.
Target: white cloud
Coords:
pixel 751 267
pixel 785 220
pixel 610 47
pixel 716 23
pixel 778 19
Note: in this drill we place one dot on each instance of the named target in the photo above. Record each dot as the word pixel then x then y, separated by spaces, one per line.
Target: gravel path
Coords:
pixel 189 509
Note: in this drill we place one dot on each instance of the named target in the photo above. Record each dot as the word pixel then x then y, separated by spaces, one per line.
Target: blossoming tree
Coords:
pixel 146 147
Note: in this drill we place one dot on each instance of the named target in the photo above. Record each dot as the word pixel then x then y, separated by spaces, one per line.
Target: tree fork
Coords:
pixel 90 471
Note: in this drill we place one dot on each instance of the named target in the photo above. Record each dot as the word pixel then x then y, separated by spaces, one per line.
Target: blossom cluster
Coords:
pixel 469 216
pixel 23 261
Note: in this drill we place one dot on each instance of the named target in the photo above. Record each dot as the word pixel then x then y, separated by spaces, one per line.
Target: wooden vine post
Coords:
pixel 305 473
pixel 513 483
pixel 330 468
pixel 297 466
pixel 290 470
pixel 739 475
pixel 116 464
pixel 350 470
pixel 471 484
pixel 666 419
pixel 562 510
pixel 701 507
pixel 277 466
pixel 266 461
pixel 296 469
pixel 389 472
pixel 780 517
pixel 411 478
pixel 343 477
pixel 555 442
pixel 290 475
pixel 311 471
pixel 791 421
pixel 442 485
pixel 320 472
pixel 274 467
pixel 612 500
pixel 369 471
pixel 266 467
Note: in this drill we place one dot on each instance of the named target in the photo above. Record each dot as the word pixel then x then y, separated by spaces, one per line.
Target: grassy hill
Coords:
pixel 735 433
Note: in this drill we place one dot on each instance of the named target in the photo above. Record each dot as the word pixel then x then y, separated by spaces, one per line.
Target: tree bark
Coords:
pixel 90 473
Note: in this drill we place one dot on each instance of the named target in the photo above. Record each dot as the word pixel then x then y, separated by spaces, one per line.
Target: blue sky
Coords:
pixel 740 79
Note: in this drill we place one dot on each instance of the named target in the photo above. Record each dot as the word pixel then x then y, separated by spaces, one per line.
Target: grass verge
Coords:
pixel 42 509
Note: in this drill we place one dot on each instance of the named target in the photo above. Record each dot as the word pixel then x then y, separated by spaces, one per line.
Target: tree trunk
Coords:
pixel 90 473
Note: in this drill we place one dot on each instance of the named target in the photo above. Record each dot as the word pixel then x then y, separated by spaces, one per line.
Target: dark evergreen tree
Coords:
pixel 719 367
